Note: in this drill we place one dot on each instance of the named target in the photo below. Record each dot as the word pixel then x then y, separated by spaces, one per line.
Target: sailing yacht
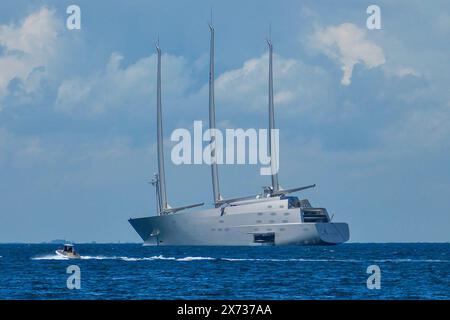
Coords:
pixel 275 217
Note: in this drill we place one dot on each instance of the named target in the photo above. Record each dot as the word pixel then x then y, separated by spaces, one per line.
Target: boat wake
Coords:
pixel 50 257
pixel 61 257
pixel 200 258
pixel 160 257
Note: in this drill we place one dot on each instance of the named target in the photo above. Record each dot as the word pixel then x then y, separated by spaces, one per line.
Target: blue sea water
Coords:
pixel 132 271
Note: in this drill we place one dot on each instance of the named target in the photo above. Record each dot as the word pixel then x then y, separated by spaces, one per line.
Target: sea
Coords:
pixel 133 271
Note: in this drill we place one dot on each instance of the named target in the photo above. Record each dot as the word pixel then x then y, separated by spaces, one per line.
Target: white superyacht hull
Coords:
pixel 236 227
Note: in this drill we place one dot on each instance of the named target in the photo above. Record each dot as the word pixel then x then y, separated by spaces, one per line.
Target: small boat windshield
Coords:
pixel 68 248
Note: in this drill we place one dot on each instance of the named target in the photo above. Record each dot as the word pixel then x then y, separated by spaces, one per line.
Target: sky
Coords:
pixel 364 114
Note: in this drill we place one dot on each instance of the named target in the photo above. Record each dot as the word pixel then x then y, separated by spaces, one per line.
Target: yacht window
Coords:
pixel 293 202
pixel 267 238
pixel 315 215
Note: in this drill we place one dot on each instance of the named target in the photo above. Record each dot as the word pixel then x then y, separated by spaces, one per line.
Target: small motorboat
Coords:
pixel 68 251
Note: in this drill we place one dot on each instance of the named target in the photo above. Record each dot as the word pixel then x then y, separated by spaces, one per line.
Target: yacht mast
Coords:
pixel 212 122
pixel 272 145
pixel 161 185
pixel 218 200
pixel 276 190
pixel 160 180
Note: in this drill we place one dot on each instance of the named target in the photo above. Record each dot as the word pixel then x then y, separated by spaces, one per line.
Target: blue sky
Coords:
pixel 364 114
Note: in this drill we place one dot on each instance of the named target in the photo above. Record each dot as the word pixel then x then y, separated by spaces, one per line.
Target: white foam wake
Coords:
pixel 60 257
pixel 160 257
pixel 201 258
pixel 123 258
pixel 195 258
pixel 290 260
pixel 412 260
pixel 50 257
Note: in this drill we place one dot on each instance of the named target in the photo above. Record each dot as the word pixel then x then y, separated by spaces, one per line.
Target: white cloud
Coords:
pixel 129 87
pixel 248 84
pixel 406 71
pixel 123 87
pixel 298 88
pixel 349 45
pixel 37 33
pixel 27 46
pixel 401 71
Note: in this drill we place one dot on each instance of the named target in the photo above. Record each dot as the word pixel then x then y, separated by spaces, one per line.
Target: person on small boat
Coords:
pixel 68 251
